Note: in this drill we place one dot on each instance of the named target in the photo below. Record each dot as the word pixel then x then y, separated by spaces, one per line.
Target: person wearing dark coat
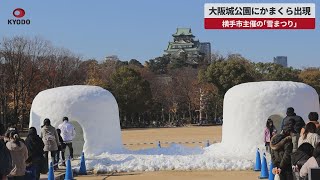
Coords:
pixel 300 157
pixel 35 147
pixel 299 122
pixel 281 149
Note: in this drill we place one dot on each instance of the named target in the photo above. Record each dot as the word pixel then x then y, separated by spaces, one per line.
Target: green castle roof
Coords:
pixel 183 31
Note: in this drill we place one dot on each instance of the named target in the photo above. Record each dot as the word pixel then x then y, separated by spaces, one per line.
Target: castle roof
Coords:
pixel 183 31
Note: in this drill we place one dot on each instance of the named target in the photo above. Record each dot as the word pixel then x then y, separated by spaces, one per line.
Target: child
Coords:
pixel 269 132
pixel 61 148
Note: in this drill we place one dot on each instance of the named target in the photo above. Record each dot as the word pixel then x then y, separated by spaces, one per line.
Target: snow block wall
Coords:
pixel 94 108
pixel 248 106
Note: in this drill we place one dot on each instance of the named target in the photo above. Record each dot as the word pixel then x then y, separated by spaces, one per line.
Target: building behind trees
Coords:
pixel 282 60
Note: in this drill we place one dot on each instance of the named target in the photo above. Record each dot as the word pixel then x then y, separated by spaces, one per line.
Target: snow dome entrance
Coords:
pixel 78 141
pixel 93 108
pixel 277 119
pixel 247 107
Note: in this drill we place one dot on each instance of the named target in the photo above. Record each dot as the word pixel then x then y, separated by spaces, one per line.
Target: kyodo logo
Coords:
pixel 19 13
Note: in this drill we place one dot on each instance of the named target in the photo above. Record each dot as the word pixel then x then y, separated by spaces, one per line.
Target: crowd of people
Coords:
pixel 27 159
pixel 295 148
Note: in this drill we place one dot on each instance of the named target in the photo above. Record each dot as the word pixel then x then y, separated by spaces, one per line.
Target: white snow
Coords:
pixel 175 157
pixel 94 108
pixel 248 106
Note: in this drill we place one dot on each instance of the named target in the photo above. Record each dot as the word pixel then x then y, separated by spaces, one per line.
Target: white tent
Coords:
pixel 94 108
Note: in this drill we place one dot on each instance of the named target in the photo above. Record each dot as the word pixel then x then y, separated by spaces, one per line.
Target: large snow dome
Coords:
pixel 94 108
pixel 248 106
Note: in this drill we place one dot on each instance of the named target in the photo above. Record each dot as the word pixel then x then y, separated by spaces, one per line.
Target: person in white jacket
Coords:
pixel 68 132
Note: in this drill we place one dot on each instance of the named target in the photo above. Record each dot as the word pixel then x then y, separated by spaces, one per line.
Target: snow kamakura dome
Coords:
pixel 248 106
pixel 94 108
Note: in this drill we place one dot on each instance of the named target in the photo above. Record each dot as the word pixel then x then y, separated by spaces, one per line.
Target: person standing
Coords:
pixel 19 155
pixel 35 147
pixel 50 139
pixel 269 132
pixel 68 132
pixel 298 124
pixel 281 149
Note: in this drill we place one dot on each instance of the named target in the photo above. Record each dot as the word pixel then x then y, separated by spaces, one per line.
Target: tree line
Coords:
pixel 164 91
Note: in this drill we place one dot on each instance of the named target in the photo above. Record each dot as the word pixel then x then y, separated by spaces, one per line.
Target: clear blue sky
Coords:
pixel 141 29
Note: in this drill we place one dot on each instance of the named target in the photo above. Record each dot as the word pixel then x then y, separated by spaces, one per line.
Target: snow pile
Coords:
pixel 175 157
pixel 94 108
pixel 248 106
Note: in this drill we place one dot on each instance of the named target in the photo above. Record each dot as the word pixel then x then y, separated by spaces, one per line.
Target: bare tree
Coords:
pixel 186 87
pixel 61 68
pixel 28 66
pixel 20 57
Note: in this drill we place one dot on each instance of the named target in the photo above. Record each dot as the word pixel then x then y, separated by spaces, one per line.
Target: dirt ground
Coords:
pixel 185 134
pixel 178 175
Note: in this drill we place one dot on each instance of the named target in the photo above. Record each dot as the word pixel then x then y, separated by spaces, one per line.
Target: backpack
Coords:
pixel 49 137
pixel 5 159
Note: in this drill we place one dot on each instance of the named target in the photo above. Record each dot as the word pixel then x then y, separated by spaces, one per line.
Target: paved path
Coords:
pixel 59 174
